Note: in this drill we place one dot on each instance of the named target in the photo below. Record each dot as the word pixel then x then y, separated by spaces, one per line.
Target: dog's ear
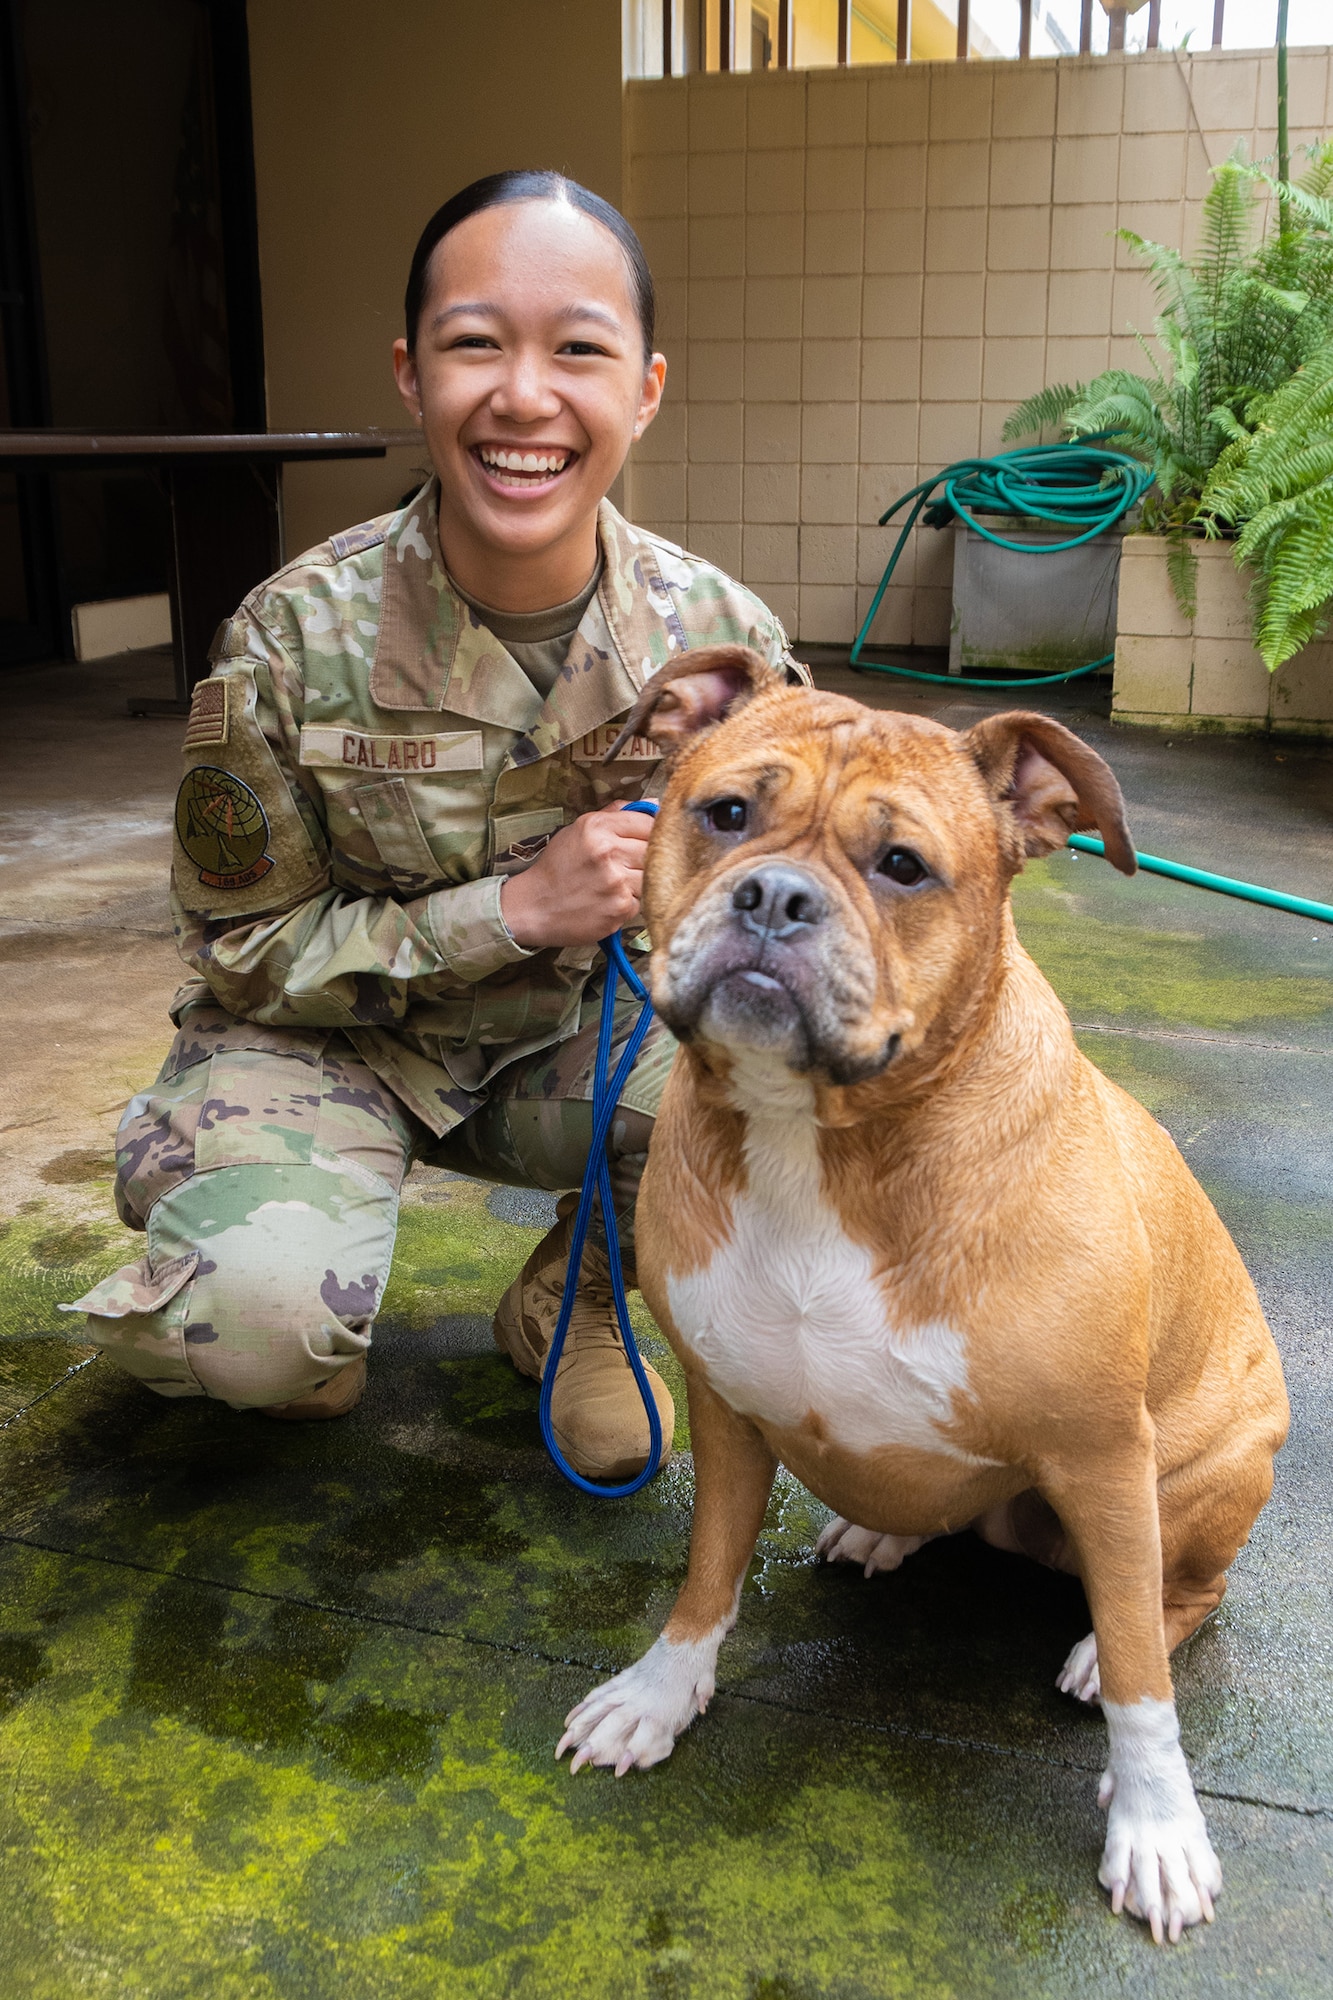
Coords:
pixel 694 691
pixel 1052 783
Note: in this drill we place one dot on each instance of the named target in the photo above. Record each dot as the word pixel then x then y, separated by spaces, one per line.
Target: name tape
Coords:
pixel 351 750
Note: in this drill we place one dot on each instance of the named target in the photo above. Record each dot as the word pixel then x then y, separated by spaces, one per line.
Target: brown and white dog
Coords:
pixel 855 1222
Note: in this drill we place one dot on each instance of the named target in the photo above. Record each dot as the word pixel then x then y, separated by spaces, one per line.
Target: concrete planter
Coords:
pixel 1206 675
pixel 1043 613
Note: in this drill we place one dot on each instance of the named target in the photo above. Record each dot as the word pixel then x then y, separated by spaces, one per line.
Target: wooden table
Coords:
pixel 225 493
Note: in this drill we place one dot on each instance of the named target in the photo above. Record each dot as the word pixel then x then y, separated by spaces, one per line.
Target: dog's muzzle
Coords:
pixel 757 964
pixel 776 900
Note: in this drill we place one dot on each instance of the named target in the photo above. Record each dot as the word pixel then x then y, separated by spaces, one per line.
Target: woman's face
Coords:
pixel 529 381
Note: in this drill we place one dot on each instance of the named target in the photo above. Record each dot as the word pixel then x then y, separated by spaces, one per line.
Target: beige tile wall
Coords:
pixel 861 271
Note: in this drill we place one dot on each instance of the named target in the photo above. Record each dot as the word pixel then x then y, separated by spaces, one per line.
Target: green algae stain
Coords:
pixel 46 1262
pixel 372 1743
pixel 452 1255
pixel 1147 1070
pixel 420 1840
pixel 1102 969
pixel 1268 1227
pixel 1033 1918
pixel 22 1666
pixel 62 1249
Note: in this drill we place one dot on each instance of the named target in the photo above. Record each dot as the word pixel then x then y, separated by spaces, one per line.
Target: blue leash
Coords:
pixel 597 1180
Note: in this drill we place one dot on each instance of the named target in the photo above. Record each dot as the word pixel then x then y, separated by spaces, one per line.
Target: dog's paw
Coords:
pixel 1158 1862
pixel 842 1542
pixel 633 1721
pixel 1080 1675
pixel 1162 1869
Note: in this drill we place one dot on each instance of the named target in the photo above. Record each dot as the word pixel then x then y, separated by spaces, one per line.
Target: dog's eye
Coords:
pixel 727 816
pixel 902 866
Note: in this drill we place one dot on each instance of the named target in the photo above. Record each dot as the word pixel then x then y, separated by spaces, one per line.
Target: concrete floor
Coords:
pixel 277 1704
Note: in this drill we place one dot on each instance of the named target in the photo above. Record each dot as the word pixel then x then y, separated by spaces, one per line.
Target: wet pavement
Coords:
pixel 278 1703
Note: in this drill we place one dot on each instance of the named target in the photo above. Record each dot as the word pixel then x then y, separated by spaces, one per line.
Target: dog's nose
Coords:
pixel 777 899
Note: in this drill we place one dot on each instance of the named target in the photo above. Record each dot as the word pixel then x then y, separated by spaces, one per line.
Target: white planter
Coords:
pixel 1206 675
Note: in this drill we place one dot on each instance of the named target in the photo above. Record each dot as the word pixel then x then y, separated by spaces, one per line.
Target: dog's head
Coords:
pixel 828 883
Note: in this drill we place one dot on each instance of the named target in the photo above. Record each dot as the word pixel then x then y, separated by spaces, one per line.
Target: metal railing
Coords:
pixel 687 31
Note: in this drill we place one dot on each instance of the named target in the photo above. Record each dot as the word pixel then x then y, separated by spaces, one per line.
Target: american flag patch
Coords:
pixel 207 725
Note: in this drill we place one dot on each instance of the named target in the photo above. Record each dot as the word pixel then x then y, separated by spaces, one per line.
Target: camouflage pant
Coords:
pixel 266 1165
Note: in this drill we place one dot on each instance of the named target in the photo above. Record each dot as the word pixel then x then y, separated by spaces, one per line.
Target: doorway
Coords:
pixel 128 279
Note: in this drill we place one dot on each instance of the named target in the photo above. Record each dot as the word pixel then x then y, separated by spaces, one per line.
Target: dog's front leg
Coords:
pixel 1158 1861
pixel 636 1718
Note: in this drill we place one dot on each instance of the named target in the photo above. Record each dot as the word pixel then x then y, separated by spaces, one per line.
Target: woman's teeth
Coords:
pixel 522 468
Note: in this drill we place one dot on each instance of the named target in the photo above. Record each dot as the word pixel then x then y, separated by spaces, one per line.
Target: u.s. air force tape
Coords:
pixel 223 828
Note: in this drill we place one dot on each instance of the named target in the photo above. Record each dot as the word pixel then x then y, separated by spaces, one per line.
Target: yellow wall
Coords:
pixel 366 119
pixel 874 31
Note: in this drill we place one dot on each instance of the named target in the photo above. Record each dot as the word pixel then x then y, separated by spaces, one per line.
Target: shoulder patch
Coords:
pixel 223 828
pixel 353 540
pixel 208 715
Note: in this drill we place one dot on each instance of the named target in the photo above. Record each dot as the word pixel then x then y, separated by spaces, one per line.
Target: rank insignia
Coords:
pixel 223 828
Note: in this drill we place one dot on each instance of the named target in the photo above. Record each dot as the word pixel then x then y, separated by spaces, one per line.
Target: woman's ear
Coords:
pixel 405 374
pixel 693 692
pixel 650 400
pixel 1047 784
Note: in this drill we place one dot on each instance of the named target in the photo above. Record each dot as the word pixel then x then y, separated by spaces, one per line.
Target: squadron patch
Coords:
pixel 223 828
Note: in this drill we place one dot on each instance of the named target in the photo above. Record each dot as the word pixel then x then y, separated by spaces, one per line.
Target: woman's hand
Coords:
pixel 585 884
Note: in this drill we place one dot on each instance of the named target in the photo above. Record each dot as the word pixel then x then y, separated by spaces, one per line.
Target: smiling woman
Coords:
pixel 528 362
pixel 399 839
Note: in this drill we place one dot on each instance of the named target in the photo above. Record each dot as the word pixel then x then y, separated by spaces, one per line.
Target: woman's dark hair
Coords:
pixel 529 184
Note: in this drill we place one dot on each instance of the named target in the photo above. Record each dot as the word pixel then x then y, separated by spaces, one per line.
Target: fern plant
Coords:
pixel 1235 324
pixel 1274 483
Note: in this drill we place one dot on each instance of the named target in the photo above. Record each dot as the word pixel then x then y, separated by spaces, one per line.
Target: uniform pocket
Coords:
pixel 136 1288
pixel 518 838
pixel 208 1030
pixel 259 1109
pixel 389 817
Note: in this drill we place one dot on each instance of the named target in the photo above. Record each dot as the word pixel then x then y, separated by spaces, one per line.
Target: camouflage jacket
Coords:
pixel 365 765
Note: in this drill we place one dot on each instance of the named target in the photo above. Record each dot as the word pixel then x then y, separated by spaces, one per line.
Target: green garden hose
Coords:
pixel 1200 878
pixel 1074 486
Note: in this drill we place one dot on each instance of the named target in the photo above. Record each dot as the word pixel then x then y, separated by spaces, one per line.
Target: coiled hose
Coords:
pixel 1076 486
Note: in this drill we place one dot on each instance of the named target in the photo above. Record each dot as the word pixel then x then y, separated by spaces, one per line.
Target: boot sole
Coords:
pixel 623 1469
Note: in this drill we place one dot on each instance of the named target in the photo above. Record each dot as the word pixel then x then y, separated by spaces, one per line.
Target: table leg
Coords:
pixel 225 534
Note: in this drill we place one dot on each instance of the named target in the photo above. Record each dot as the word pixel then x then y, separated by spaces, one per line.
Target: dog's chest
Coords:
pixel 791 1322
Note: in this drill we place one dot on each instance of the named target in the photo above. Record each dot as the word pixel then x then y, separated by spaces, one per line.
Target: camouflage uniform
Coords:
pixel 364 767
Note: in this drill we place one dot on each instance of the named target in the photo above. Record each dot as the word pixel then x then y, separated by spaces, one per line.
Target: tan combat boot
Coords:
pixel 596 1410
pixel 334 1398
